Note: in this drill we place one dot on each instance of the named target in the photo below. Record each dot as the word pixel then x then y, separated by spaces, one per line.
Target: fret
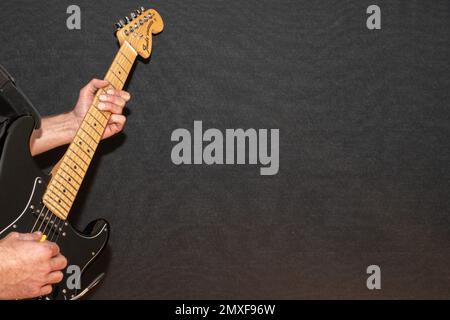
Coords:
pixel 57 202
pixel 68 177
pixel 102 91
pixel 72 174
pixel 100 117
pixel 117 77
pixel 82 139
pixel 77 159
pixel 64 186
pixel 75 167
pixel 122 68
pixel 113 81
pixel 119 72
pixel 68 181
pixel 81 153
pixel 94 124
pixel 66 191
pixel 59 196
pixel 54 207
pixel 126 59
pixel 90 131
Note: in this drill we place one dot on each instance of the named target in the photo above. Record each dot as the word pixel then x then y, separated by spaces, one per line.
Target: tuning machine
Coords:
pixel 118 25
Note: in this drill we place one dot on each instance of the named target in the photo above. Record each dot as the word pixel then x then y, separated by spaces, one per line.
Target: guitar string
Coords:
pixel 61 231
pixel 43 219
pixel 41 214
pixel 55 228
pixel 50 223
pixel 58 229
pixel 37 219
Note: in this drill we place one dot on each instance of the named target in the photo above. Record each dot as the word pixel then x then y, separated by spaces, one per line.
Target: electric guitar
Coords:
pixel 31 200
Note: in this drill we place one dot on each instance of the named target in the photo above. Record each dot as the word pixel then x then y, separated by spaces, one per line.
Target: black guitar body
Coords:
pixel 22 186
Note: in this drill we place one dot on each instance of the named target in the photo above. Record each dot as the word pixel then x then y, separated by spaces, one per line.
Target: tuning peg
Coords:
pixel 142 9
pixel 122 22
pixel 118 25
pixel 127 20
pixel 132 15
pixel 138 12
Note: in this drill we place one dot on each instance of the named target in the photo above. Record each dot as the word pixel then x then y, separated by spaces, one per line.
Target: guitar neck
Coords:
pixel 68 176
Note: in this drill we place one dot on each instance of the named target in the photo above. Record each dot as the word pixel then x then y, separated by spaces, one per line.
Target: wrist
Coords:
pixel 72 121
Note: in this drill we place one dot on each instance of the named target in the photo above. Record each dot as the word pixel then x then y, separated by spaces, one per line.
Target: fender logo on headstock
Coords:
pixel 146 45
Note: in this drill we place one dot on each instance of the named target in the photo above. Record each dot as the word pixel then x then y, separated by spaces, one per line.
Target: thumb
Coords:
pixel 94 85
pixel 36 236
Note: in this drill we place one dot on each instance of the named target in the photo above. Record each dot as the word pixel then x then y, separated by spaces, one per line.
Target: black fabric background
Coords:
pixel 364 152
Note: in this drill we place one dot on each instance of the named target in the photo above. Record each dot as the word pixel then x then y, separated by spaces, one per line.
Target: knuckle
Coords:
pixel 47 267
pixel 35 291
pixel 13 234
pixel 46 251
pixel 59 276
pixel 64 262
pixel 56 277
pixel 46 290
pixel 54 247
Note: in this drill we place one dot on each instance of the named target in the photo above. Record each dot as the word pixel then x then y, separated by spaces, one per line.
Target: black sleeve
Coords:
pixel 13 101
pixel 13 104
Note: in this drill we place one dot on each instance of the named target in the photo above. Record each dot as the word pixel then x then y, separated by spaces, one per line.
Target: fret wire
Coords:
pixel 83 137
pixel 69 166
pixel 58 196
pixel 77 166
pixel 54 209
pixel 62 187
pixel 57 204
pixel 67 182
pixel 93 116
pixel 81 150
pixel 83 126
pixel 73 152
pixel 94 127
pixel 70 177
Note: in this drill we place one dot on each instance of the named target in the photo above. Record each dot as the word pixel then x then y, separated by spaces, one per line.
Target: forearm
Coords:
pixel 55 131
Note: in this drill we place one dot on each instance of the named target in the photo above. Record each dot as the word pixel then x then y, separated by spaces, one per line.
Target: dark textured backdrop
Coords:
pixel 364 144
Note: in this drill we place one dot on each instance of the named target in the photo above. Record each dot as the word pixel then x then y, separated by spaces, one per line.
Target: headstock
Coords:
pixel 138 30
